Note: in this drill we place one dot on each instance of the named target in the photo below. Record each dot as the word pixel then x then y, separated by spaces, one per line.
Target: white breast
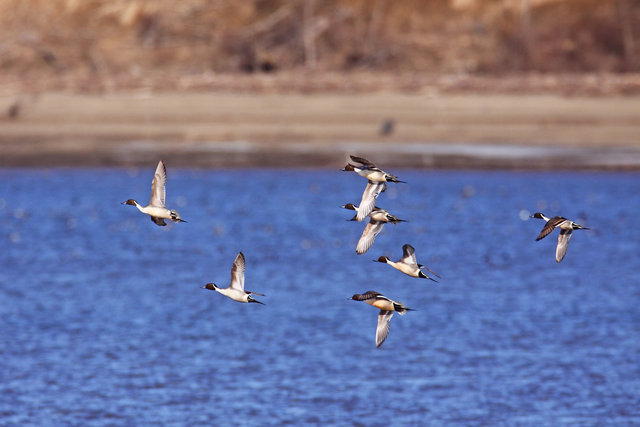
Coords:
pixel 234 294
pixel 156 211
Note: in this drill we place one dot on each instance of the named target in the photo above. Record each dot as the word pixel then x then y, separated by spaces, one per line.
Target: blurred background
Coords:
pixel 423 83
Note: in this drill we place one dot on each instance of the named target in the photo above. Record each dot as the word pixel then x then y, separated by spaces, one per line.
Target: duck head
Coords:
pixel 129 202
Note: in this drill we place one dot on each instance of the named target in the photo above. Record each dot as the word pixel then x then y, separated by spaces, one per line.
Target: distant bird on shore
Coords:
pixel 566 228
pixel 387 127
pixel 156 209
pixel 378 217
pixel 235 290
pixel 13 111
pixel 370 171
pixel 408 264
pixel 387 307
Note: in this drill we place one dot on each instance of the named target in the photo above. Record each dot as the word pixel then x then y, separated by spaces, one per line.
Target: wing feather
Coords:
pixel 550 226
pixel 237 272
pixel 369 197
pixel 158 221
pixel 383 326
pixel 366 296
pixel 563 244
pixel 408 254
pixel 158 186
pixel 368 236
pixel 362 161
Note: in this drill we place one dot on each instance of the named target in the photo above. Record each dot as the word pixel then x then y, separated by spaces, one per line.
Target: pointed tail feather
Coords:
pixel 401 309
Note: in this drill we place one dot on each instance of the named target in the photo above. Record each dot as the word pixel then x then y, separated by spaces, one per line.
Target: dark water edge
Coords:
pixel 104 323
pixel 240 154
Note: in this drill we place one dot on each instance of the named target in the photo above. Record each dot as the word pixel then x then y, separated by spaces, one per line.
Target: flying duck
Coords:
pixel 370 171
pixel 566 227
pixel 408 264
pixel 156 209
pixel 387 307
pixel 377 218
pixel 235 290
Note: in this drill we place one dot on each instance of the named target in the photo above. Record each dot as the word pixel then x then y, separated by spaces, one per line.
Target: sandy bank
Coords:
pixel 220 129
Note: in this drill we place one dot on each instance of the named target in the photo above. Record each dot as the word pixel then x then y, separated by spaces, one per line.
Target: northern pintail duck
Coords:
pixel 378 217
pixel 566 227
pixel 408 264
pixel 369 170
pixel 235 290
pixel 156 209
pixel 387 307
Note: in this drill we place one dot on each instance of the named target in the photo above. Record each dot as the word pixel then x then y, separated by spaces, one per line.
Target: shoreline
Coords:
pixel 238 154
pixel 222 129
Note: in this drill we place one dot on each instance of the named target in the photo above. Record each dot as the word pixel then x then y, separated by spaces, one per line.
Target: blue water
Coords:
pixel 104 321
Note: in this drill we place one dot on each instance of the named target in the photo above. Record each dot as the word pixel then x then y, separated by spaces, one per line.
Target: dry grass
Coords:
pixel 123 43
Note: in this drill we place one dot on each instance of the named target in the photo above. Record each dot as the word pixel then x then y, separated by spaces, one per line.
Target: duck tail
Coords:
pixel 422 275
pixel 397 220
pixel 401 308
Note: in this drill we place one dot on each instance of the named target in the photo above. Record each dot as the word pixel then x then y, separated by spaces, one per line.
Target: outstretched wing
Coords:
pixel 237 272
pixel 369 197
pixel 563 244
pixel 366 296
pixel 158 186
pixel 362 161
pixel 408 254
pixel 158 221
pixel 549 226
pixel 368 236
pixel 383 326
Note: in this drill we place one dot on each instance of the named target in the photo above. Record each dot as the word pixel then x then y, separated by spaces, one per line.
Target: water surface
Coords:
pixel 104 322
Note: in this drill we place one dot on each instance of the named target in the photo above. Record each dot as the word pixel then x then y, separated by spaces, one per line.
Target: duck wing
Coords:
pixel 362 161
pixel 550 226
pixel 158 186
pixel 368 236
pixel 366 296
pixel 384 317
pixel 158 221
pixel 563 244
pixel 237 273
pixel 408 254
pixel 369 197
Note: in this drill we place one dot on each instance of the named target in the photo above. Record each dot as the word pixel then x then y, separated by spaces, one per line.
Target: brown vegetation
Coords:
pixel 85 44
